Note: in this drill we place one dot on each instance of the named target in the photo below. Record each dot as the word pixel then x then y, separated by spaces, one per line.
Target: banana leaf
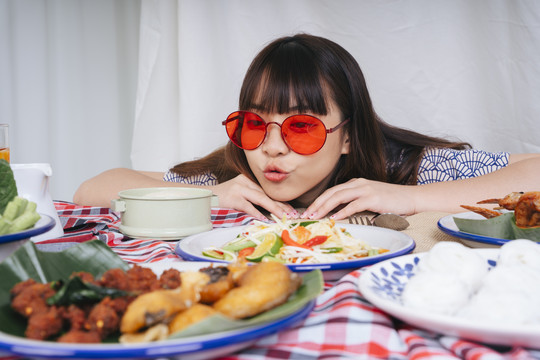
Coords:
pixel 27 262
pixel 96 257
pixel 500 227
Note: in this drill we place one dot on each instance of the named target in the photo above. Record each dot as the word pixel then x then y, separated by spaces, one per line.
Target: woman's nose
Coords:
pixel 273 143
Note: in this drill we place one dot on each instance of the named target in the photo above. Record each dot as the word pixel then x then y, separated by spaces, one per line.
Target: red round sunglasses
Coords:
pixel 303 134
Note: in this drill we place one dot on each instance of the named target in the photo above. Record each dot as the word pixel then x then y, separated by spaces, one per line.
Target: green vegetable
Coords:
pixel 19 214
pixel 239 245
pixel 76 291
pixel 373 252
pixel 216 254
pixel 331 250
pixel 8 187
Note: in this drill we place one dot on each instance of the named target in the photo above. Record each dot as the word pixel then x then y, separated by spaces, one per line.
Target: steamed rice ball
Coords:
pixel 520 252
pixel 443 293
pixel 454 258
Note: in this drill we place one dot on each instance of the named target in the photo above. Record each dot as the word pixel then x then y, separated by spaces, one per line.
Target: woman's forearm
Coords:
pixel 522 175
pixel 101 189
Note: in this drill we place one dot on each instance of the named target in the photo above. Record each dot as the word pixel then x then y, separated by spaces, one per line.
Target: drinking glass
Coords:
pixel 4 142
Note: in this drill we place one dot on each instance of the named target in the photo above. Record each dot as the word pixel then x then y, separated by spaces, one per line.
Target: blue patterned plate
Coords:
pixel 382 285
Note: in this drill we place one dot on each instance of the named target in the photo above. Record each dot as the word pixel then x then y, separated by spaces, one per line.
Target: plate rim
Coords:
pixel 48 224
pixel 439 322
pixel 347 264
pixel 178 346
pixel 464 235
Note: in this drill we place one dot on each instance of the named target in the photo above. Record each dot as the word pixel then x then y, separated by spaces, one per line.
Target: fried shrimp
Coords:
pixel 158 306
pixel 261 288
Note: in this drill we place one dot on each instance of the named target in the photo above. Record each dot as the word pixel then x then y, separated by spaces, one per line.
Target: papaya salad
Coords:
pixel 293 242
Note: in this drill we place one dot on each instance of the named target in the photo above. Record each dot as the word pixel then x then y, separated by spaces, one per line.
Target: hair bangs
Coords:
pixel 286 79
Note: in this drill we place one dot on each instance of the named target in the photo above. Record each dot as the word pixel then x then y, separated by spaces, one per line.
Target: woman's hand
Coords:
pixel 242 194
pixel 362 195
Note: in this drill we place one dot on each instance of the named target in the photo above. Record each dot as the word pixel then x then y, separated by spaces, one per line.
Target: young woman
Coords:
pixel 307 136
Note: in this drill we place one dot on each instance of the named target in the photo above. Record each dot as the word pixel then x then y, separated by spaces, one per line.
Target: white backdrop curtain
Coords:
pixel 459 68
pixel 89 85
pixel 68 72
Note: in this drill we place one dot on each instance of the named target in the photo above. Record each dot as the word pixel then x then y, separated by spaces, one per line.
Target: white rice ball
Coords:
pixel 520 252
pixel 442 293
pixel 455 258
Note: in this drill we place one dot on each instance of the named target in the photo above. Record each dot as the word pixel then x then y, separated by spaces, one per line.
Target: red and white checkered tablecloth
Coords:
pixel 343 324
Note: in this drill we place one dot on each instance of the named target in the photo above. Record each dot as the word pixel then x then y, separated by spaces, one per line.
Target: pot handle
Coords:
pixel 118 205
pixel 214 201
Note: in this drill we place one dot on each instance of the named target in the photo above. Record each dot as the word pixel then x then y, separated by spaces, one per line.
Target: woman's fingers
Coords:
pixel 243 194
pixel 359 195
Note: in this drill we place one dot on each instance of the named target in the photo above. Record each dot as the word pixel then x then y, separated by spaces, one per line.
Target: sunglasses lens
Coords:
pixel 305 134
pixel 245 129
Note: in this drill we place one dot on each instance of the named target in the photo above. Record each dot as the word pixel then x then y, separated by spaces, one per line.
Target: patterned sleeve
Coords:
pixel 202 179
pixel 439 164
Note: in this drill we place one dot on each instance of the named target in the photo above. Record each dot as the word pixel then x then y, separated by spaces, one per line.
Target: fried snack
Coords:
pixel 158 306
pixel 193 315
pixel 154 333
pixel 261 288
pixel 526 208
pixel 221 282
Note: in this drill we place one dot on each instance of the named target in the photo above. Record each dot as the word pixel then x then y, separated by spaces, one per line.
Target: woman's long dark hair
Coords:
pixel 304 72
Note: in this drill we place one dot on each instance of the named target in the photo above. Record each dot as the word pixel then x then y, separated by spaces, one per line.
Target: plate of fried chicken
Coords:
pixel 515 216
pixel 97 306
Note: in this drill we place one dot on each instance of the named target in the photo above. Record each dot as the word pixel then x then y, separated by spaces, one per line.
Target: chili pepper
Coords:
pixel 289 241
pixel 316 240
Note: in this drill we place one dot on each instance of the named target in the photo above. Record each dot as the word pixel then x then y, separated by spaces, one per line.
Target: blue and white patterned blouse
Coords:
pixel 448 164
pixel 437 164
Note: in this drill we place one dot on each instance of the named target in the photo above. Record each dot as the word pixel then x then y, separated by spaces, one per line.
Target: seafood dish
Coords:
pixel 294 242
pixel 139 306
pixel 526 207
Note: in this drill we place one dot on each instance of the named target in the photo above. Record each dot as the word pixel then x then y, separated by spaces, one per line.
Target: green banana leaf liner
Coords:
pixel 96 257
pixel 501 227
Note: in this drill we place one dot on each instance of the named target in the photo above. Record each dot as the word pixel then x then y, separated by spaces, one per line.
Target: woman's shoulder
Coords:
pixel 205 179
pixel 443 164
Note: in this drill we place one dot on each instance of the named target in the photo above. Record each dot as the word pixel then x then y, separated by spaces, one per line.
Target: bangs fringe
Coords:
pixel 284 80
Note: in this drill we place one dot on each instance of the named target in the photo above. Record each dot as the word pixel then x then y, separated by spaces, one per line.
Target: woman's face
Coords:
pixel 285 175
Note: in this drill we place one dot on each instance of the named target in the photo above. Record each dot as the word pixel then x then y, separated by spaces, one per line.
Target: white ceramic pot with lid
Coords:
pixel 165 213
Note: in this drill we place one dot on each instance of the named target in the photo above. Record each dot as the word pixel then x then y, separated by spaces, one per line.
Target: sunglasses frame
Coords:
pixel 327 131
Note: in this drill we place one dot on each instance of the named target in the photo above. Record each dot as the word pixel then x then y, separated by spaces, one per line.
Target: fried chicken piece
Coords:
pixel 160 305
pixel 44 324
pixel 193 315
pixel 75 316
pixel 262 287
pixel 487 213
pixel 115 278
pixel 142 279
pixel 527 210
pixel 170 279
pixel 32 298
pixel 80 336
pixel 221 282
pixel 20 286
pixel 104 318
pixel 508 202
